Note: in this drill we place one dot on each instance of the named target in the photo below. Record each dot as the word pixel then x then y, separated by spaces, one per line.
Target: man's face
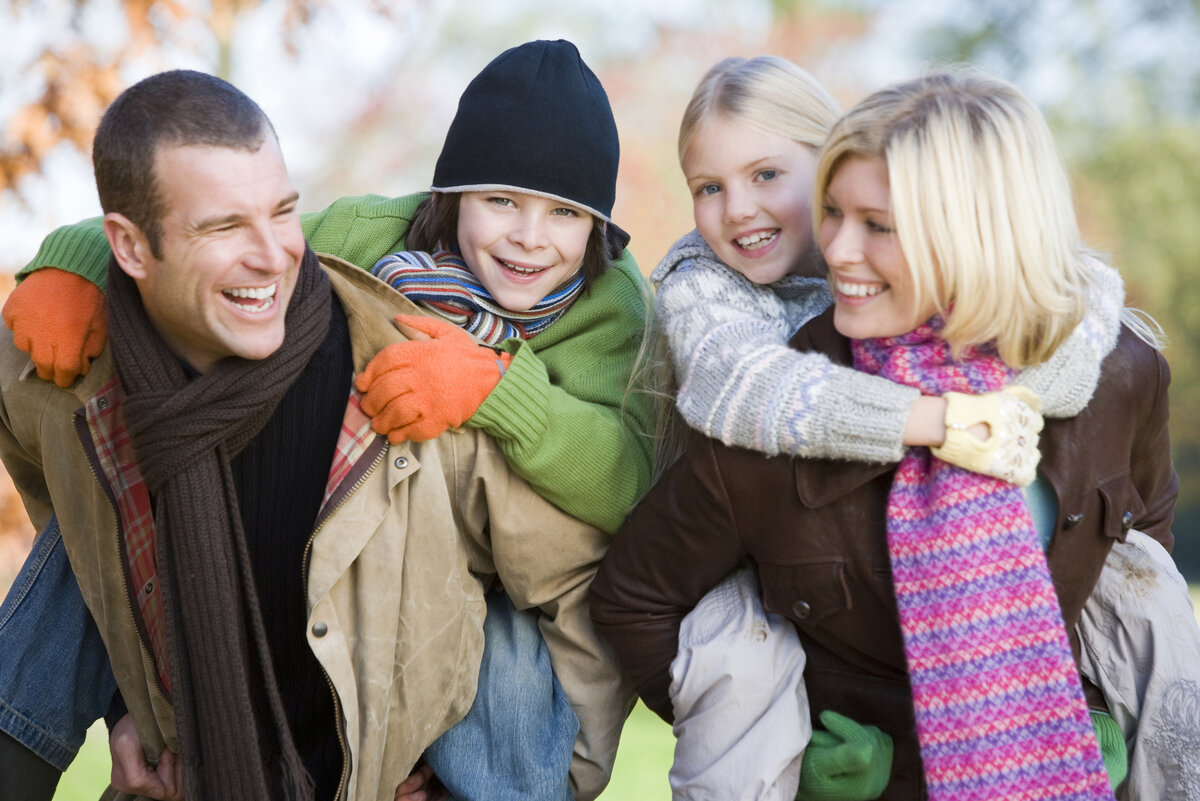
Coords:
pixel 230 252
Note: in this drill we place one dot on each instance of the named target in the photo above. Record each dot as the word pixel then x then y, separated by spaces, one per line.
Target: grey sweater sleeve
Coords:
pixel 742 384
pixel 1065 382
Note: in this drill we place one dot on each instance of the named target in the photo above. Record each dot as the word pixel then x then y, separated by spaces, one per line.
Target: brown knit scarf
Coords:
pixel 233 733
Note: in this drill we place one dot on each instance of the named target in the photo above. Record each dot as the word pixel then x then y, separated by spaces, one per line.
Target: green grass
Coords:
pixel 641 770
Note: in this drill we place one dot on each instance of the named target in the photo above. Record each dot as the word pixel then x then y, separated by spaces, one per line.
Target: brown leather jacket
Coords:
pixel 814 529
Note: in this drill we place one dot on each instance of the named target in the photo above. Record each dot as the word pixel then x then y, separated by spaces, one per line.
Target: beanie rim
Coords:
pixel 524 190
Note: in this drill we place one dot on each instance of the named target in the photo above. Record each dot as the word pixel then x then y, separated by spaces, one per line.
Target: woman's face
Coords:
pixel 521 247
pixel 752 197
pixel 872 284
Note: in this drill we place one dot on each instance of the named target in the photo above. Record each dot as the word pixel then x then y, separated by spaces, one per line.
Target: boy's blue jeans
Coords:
pixel 516 742
pixel 55 682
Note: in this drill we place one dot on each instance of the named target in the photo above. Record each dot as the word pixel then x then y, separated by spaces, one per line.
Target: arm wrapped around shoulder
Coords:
pixel 1010 452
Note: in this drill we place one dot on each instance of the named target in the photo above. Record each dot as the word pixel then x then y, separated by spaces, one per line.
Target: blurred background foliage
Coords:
pixel 361 92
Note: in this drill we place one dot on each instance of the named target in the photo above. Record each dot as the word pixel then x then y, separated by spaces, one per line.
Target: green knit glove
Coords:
pixel 849 762
pixel 1112 746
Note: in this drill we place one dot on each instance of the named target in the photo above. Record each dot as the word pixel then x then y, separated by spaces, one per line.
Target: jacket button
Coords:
pixel 801 610
pixel 1073 520
pixel 1127 521
pixel 319 629
pixel 401 462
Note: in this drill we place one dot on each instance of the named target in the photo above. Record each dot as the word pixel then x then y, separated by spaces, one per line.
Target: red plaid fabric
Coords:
pixel 114 453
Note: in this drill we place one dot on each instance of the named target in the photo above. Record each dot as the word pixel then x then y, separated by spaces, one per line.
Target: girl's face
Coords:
pixel 873 286
pixel 752 197
pixel 521 247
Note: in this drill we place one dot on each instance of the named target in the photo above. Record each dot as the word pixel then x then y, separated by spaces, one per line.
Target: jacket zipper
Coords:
pixel 337 703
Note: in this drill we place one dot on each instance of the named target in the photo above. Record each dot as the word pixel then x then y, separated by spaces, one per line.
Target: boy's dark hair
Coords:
pixel 435 225
pixel 180 107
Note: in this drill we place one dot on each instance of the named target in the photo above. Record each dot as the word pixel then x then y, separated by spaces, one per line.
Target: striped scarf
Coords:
pixel 442 284
pixel 999 707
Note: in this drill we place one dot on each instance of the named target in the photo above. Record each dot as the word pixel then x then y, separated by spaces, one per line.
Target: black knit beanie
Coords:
pixel 535 120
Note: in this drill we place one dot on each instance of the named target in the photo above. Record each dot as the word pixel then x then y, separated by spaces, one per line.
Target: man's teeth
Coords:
pixel 253 293
pixel 262 297
pixel 756 240
pixel 858 290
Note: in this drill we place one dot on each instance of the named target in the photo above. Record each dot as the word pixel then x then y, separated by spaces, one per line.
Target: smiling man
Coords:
pixel 289 604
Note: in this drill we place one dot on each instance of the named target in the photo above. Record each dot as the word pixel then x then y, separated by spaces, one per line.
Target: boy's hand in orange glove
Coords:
pixel 59 319
pixel 416 390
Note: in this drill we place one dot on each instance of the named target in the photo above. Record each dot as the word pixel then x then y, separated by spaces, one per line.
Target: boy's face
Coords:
pixel 752 197
pixel 230 252
pixel 521 247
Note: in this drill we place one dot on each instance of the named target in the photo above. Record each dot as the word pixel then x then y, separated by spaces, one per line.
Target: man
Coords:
pixel 286 600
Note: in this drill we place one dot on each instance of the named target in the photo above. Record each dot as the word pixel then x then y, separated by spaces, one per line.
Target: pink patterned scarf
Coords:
pixel 999 707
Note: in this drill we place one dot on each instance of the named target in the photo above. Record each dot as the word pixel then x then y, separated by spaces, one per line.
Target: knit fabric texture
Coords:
pixel 442 283
pixel 534 120
pixel 235 742
pixel 999 707
pixel 741 384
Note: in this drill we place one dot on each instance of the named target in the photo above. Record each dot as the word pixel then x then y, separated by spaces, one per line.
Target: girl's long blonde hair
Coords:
pixel 981 204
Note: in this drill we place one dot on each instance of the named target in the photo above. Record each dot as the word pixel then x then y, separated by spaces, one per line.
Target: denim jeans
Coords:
pixel 55 678
pixel 516 742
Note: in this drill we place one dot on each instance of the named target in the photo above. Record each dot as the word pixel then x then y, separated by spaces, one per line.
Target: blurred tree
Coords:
pixel 80 74
pixel 1142 190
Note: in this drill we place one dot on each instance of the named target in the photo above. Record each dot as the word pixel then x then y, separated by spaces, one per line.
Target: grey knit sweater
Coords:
pixel 739 381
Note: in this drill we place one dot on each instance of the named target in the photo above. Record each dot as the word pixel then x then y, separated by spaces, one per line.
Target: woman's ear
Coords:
pixel 129 245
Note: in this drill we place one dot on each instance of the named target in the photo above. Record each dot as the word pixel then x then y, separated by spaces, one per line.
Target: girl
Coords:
pixel 729 296
pixel 523 190
pixel 929 190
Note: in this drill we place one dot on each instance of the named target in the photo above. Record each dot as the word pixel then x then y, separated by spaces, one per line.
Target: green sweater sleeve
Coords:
pixel 81 248
pixel 561 413
pixel 360 230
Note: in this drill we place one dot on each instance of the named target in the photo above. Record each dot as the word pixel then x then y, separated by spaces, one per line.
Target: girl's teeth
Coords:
pixel 757 240
pixel 859 290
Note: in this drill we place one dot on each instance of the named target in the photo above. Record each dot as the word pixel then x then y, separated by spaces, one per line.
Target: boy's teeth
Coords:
pixel 756 240
pixel 520 270
pixel 859 290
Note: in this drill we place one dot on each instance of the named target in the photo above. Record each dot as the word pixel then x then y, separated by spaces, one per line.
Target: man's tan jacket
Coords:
pixel 396 567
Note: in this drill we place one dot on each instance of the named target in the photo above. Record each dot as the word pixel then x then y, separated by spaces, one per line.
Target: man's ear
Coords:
pixel 129 244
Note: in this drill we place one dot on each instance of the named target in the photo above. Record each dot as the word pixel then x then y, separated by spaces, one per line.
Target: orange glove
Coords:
pixel 416 390
pixel 59 319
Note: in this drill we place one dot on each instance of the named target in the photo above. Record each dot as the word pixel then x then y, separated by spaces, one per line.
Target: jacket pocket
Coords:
pixel 806 592
pixel 1120 505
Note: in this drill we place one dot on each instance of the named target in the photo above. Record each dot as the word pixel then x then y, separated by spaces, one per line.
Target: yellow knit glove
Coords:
pixel 1013 417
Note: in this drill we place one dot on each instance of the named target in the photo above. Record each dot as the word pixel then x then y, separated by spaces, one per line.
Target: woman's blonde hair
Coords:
pixel 982 206
pixel 765 92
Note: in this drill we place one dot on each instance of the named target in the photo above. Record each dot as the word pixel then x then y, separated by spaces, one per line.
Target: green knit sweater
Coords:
pixel 561 414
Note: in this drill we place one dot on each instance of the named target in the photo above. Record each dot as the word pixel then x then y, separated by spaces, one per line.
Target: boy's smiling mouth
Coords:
pixel 519 269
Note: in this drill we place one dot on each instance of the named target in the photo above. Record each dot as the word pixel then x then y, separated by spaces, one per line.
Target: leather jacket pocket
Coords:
pixel 806 592
pixel 1121 506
